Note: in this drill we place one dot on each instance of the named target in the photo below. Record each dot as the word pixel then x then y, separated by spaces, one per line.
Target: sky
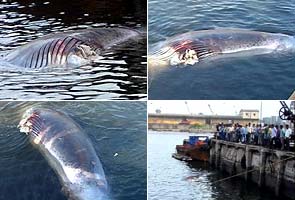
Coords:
pixel 218 107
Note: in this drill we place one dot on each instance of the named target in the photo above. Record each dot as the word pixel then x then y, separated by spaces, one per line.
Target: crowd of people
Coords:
pixel 272 136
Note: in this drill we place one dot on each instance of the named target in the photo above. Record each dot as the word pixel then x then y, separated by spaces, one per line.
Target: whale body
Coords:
pixel 69 48
pixel 193 47
pixel 69 152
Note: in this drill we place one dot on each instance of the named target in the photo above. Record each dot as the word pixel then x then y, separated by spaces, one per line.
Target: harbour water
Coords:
pixel 171 179
pixel 267 76
pixel 117 131
pixel 120 75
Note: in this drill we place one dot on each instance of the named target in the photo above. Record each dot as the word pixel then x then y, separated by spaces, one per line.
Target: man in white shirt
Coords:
pixel 287 135
pixel 288 131
pixel 273 135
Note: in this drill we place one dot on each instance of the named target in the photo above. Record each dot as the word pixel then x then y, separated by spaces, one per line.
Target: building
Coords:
pixel 273 120
pixel 249 114
pixel 160 121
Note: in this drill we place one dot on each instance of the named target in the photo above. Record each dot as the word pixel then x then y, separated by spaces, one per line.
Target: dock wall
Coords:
pixel 269 168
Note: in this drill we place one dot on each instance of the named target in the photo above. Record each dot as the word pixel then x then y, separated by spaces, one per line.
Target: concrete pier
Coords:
pixel 274 169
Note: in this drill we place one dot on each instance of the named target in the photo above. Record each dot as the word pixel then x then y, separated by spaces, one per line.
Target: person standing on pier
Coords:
pixel 287 136
pixel 244 134
pixel 260 134
pixel 265 135
pixel 278 135
pixel 238 134
pixel 282 136
pixel 248 133
pixel 257 134
pixel 273 136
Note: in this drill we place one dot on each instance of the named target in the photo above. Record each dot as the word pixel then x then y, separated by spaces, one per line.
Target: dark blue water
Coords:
pixel 256 77
pixel 121 74
pixel 113 127
pixel 171 179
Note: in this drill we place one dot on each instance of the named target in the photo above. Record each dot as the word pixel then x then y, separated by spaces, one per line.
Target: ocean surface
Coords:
pixel 250 77
pixel 171 179
pixel 113 127
pixel 121 74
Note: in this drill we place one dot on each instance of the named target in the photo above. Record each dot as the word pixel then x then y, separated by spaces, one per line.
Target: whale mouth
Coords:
pixel 188 57
pixel 180 53
pixel 30 124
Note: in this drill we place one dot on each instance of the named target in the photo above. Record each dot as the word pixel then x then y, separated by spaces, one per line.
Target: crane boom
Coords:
pixel 188 110
pixel 210 109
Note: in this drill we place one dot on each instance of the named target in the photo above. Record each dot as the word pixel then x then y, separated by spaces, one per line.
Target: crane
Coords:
pixel 210 109
pixel 188 110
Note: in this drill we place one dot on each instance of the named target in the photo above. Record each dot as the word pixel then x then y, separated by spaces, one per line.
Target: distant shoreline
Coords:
pixel 183 130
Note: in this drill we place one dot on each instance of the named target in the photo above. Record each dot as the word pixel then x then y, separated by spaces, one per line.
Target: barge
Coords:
pixel 194 148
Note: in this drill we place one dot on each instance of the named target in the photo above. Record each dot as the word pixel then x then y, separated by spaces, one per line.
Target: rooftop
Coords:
pixel 249 110
pixel 195 116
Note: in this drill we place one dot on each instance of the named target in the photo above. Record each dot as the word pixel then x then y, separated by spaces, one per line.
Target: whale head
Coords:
pixel 37 122
pixel 172 57
pixel 172 54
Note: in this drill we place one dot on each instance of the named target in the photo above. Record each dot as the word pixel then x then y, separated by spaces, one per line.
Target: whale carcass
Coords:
pixel 69 152
pixel 193 47
pixel 69 48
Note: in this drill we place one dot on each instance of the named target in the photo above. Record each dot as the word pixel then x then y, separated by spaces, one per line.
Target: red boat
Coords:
pixel 195 148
